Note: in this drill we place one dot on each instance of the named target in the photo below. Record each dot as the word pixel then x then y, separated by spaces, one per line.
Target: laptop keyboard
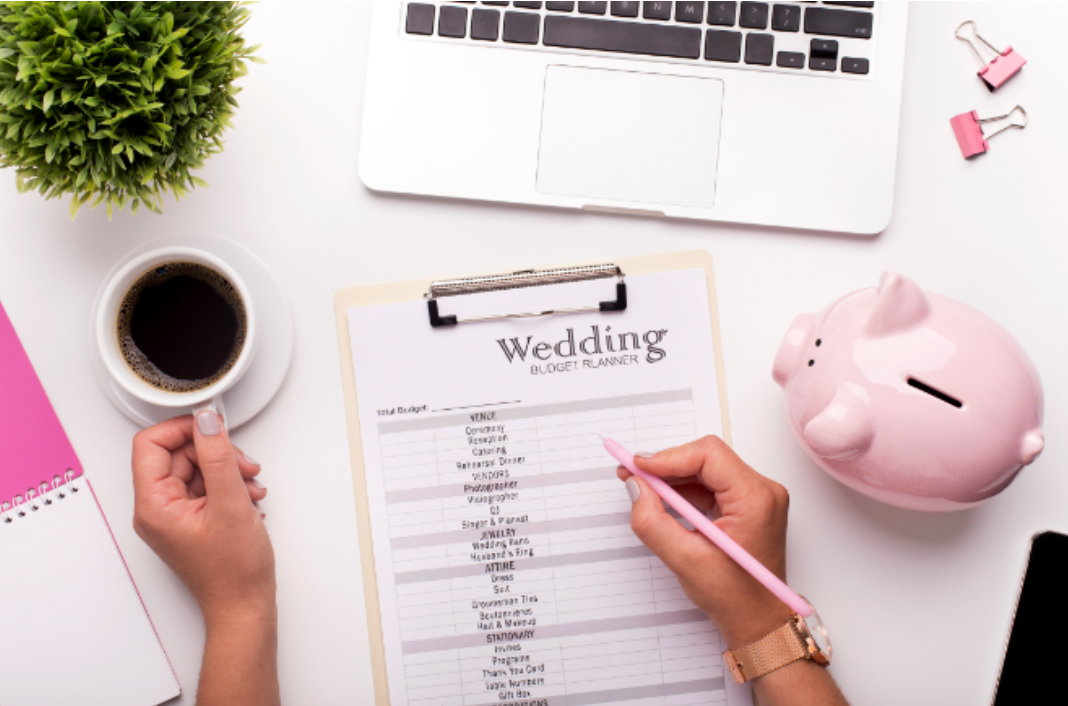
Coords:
pixel 829 38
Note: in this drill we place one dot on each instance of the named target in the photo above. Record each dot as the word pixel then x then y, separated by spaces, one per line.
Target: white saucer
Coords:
pixel 275 350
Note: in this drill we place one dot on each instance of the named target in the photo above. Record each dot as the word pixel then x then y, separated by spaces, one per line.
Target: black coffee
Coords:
pixel 181 326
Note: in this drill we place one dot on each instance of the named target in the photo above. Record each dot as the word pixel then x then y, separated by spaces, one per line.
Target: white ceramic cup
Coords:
pixel 107 337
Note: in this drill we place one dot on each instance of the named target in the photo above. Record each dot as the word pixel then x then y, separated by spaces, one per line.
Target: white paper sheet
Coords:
pixel 507 571
pixel 72 626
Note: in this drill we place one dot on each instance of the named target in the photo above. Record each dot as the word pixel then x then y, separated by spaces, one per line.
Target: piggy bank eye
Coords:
pixel 819 342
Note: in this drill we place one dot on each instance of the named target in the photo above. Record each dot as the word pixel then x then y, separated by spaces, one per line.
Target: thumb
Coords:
pixel 658 530
pixel 218 462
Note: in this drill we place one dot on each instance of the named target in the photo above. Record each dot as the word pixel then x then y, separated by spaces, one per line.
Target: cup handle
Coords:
pixel 215 404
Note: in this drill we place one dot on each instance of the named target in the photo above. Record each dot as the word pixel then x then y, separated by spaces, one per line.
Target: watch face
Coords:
pixel 819 635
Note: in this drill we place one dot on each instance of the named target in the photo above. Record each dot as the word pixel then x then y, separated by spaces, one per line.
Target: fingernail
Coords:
pixel 644 454
pixel 251 460
pixel 633 490
pixel 256 483
pixel 208 423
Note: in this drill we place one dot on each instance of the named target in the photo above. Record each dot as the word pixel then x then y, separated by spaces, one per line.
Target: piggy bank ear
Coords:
pixel 844 428
pixel 789 357
pixel 900 305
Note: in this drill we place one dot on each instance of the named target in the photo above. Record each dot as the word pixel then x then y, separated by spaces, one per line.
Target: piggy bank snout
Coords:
pixel 791 350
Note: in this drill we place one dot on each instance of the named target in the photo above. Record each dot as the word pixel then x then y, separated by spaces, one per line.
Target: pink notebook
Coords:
pixel 76 629
pixel 33 446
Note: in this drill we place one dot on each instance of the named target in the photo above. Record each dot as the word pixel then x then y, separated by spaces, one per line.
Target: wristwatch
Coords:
pixel 799 638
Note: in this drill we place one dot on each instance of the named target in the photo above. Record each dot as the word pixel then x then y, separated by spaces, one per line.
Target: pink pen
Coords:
pixel 706 527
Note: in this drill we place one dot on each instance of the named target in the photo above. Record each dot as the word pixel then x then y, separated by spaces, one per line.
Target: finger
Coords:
pixel 171 434
pixel 697 495
pixel 196 485
pixel 624 474
pixel 256 490
pixel 184 462
pixel 218 462
pixel 709 458
pixel 152 447
pixel 248 466
pixel 674 544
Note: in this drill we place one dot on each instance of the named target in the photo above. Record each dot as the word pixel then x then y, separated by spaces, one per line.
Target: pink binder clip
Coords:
pixel 1001 68
pixel 968 129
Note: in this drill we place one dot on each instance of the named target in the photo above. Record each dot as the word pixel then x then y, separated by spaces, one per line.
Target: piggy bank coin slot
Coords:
pixel 937 394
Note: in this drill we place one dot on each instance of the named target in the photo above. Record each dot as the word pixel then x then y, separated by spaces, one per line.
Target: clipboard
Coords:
pixel 435 292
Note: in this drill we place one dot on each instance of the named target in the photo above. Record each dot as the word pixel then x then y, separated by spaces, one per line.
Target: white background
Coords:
pixel 918 605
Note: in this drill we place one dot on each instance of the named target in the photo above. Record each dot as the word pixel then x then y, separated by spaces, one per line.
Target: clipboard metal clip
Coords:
pixel 520 280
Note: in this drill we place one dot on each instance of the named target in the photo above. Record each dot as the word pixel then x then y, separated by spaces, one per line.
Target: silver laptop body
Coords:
pixel 776 114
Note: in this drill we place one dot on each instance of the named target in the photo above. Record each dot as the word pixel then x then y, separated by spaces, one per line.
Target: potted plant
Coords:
pixel 117 102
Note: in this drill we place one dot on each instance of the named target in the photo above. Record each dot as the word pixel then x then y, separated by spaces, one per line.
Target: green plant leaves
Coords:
pixel 117 102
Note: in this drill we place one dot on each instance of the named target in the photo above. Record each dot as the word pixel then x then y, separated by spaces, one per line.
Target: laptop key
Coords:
pixel 838 23
pixel 484 24
pixel 790 60
pixel 496 4
pixel 723 45
pixel 817 63
pixel 452 22
pixel 754 15
pixel 656 10
pixel 560 6
pixel 824 48
pixel 759 49
pixel 527 5
pixel 420 19
pixel 851 3
pixel 786 18
pixel 593 8
pixel 691 12
pixel 624 9
pixel 722 13
pixel 626 37
pixel 521 27
pixel 854 66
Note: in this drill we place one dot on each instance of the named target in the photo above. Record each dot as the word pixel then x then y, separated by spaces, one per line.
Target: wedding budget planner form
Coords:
pixel 506 569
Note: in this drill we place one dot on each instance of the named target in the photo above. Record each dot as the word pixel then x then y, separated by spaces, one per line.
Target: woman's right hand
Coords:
pixel 193 504
pixel 753 512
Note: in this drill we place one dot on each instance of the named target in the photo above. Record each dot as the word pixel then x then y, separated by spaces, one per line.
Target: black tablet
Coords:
pixel 1036 657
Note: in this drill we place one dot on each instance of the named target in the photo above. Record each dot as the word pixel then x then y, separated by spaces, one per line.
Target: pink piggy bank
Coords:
pixel 914 399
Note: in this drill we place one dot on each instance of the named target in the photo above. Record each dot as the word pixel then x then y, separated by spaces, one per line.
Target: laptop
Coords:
pixel 773 114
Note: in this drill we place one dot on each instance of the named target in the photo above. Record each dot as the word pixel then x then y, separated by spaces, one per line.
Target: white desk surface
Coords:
pixel 918 605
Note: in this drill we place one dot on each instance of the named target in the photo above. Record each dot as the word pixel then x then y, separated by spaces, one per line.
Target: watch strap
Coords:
pixel 776 649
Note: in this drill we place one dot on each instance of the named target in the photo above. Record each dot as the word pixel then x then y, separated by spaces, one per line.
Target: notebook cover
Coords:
pixel 34 449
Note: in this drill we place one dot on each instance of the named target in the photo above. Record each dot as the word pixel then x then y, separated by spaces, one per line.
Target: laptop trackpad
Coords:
pixel 628 136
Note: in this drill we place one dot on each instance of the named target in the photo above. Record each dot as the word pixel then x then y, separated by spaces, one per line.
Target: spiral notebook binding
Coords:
pixel 36 499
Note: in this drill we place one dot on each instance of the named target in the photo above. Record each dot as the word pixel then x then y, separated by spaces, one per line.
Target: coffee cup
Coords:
pixel 115 353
